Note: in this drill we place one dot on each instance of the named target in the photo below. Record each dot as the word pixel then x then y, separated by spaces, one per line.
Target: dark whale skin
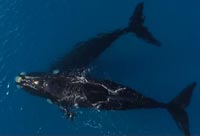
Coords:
pixel 99 94
pixel 69 91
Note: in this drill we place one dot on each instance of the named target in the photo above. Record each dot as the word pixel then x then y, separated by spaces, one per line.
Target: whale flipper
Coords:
pixel 67 112
pixel 177 108
pixel 86 52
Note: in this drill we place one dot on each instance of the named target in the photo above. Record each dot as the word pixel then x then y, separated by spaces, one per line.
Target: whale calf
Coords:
pixel 74 91
pixel 86 52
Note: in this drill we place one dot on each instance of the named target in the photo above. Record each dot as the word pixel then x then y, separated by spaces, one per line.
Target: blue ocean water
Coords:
pixel 34 34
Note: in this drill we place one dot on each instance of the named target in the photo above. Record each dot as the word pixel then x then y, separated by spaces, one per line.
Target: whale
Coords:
pixel 68 89
pixel 86 52
pixel 69 92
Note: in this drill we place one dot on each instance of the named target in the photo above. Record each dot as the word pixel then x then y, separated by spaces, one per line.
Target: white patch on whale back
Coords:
pixel 22 73
pixel 80 79
pixel 120 89
pixel 76 105
pixel 110 90
pixel 56 71
pixel 30 77
pixel 49 101
pixel 36 82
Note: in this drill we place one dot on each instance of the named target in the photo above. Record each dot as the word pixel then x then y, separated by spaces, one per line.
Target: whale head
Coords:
pixel 33 83
pixel 49 86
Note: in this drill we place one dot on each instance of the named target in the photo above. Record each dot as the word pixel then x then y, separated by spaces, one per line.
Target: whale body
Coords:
pixel 74 91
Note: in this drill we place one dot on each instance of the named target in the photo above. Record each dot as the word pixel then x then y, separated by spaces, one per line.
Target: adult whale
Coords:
pixel 86 52
pixel 74 91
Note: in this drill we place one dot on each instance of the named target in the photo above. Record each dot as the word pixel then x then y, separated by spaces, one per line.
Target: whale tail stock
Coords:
pixel 136 26
pixel 177 108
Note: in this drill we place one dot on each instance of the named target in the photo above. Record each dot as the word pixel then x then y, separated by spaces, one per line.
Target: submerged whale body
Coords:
pixel 72 91
pixel 86 52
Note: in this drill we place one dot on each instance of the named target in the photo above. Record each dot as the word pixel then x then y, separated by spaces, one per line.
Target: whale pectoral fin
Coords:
pixel 68 112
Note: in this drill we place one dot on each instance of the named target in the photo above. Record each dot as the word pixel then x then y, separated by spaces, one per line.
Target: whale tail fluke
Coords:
pixel 177 108
pixel 136 25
